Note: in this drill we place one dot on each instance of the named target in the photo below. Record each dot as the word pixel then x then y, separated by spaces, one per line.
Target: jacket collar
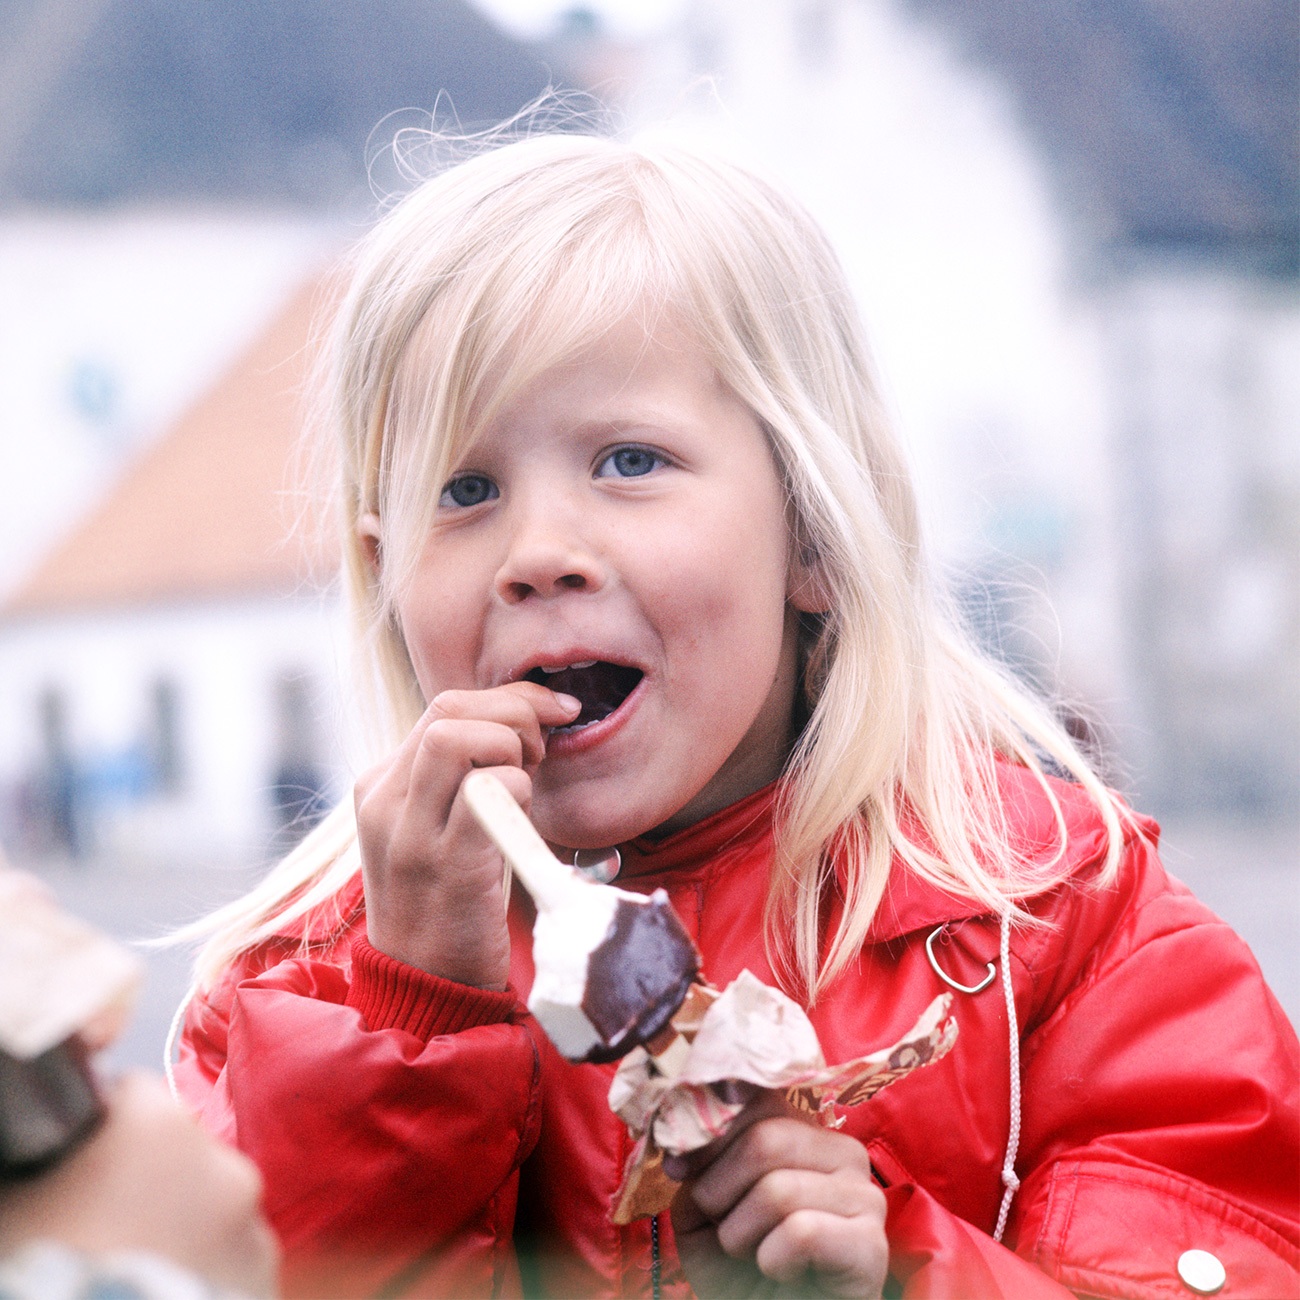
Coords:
pixel 741 836
pixel 911 903
pixel 743 827
pixel 745 830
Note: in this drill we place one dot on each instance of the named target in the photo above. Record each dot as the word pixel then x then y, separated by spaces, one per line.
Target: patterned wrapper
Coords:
pixel 747 1039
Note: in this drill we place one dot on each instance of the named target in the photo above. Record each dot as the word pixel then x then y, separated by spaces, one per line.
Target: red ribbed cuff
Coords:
pixel 392 995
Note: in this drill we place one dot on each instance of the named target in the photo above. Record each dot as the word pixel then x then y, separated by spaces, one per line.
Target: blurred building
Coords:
pixel 1172 137
pixel 170 671
pixel 1073 228
pixel 106 102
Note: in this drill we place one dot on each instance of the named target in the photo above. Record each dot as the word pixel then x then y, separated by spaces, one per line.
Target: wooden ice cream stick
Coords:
pixel 611 966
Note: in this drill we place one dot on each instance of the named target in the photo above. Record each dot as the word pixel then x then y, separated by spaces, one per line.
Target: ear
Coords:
pixel 369 535
pixel 806 587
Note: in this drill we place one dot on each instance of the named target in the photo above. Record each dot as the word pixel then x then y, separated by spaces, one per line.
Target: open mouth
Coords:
pixel 601 687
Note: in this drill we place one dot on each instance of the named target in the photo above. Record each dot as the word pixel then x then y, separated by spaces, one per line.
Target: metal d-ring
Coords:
pixel 948 979
pixel 600 865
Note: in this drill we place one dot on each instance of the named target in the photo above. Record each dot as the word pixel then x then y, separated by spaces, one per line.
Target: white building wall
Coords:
pixel 1204 441
pixel 225 660
pixel 111 325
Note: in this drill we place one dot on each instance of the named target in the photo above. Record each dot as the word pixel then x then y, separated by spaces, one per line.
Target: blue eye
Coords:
pixel 629 462
pixel 468 490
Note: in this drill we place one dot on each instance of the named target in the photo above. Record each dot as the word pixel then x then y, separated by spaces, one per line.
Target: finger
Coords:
pixel 712 1273
pixel 766 1104
pixel 772 1143
pixel 787 1193
pixel 848 1256
pixel 461 821
pixel 526 707
pixel 522 707
pixel 451 748
pixel 411 802
pixel 687 1217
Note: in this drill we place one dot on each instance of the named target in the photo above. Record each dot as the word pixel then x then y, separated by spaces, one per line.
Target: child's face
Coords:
pixel 623 511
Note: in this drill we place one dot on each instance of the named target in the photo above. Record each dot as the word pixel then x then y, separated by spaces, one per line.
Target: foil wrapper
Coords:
pixel 58 975
pixel 680 1093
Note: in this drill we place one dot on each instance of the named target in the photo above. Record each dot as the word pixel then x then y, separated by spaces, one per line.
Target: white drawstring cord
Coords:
pixel 170 1047
pixel 1009 1179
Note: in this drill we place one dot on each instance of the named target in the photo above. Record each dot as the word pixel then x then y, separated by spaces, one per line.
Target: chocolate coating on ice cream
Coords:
pixel 637 976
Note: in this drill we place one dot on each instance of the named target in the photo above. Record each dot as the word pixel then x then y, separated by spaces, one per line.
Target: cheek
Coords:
pixel 735 548
pixel 726 626
pixel 421 651
pixel 716 558
pixel 433 643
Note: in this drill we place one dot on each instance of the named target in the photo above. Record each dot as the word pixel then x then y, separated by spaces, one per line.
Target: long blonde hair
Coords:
pixel 506 264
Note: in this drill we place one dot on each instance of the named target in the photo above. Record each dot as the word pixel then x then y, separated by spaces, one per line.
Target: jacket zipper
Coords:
pixel 654 1258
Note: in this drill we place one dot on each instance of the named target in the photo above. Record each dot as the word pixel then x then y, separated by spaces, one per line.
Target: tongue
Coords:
pixel 601 688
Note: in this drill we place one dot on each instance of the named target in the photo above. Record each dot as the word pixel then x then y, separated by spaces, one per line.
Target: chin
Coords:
pixel 580 819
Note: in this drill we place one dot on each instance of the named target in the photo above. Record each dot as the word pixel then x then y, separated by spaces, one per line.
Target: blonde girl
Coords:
pixel 624 522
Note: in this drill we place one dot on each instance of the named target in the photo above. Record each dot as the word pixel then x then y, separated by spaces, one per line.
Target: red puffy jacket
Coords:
pixel 420 1138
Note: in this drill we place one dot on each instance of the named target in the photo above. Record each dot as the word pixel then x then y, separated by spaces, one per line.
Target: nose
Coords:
pixel 548 554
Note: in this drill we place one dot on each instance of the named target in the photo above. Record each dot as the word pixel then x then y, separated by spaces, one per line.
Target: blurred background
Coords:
pixel 1072 226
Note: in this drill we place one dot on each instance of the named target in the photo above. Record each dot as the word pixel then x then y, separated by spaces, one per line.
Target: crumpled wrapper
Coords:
pixel 58 975
pixel 731 1046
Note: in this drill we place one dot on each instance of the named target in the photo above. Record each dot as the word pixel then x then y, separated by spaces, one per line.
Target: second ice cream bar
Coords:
pixel 611 966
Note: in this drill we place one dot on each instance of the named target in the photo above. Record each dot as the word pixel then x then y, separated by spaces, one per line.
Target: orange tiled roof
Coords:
pixel 212 509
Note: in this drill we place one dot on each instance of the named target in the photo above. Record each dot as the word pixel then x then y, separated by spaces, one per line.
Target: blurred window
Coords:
pixel 165 736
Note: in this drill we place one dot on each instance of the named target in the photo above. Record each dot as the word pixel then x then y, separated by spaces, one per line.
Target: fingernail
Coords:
pixel 568 703
pixel 675 1167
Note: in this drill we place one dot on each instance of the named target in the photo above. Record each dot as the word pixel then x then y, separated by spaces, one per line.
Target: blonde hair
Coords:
pixel 507 264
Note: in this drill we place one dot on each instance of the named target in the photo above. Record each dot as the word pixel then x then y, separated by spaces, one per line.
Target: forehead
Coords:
pixel 610 350
pixel 637 374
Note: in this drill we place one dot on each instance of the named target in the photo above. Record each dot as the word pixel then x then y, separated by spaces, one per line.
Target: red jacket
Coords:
pixel 422 1138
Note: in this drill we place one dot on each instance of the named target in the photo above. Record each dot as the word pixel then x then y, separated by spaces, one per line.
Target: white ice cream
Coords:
pixel 563 940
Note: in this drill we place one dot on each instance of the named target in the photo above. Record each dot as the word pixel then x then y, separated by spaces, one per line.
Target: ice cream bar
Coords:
pixel 611 966
pixel 64 990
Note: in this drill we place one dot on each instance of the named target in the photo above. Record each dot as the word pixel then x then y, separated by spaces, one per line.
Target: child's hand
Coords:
pixel 780 1206
pixel 432 878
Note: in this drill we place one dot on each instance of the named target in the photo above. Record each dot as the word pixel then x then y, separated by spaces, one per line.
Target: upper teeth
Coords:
pixel 586 663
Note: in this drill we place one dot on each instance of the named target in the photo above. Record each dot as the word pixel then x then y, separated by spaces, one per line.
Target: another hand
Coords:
pixel 150 1180
pixel 432 878
pixel 780 1207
